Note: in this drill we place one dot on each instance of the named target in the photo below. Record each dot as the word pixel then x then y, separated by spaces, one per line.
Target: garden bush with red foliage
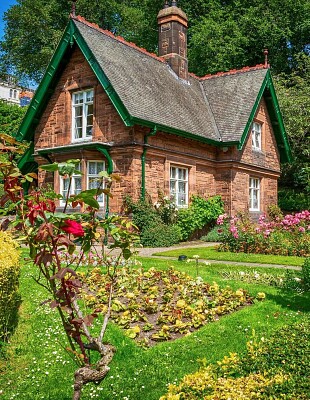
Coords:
pixel 276 234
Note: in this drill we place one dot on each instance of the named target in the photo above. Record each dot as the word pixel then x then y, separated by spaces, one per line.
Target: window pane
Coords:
pixel 91 168
pixel 93 180
pixel 89 96
pixel 78 111
pixel 93 183
pixel 65 186
pixel 77 185
pixel 182 187
pixel 100 167
pixel 172 172
pixel 78 98
pixel 181 199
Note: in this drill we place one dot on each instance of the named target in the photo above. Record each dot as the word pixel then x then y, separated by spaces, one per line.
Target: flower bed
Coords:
pixel 280 235
pixel 158 305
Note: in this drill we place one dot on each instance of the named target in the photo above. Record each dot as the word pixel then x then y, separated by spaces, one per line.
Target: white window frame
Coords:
pixel 254 194
pixel 84 104
pixel 94 177
pixel 178 182
pixel 257 129
pixel 73 187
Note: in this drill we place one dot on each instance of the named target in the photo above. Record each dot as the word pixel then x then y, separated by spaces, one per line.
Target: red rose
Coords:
pixel 73 227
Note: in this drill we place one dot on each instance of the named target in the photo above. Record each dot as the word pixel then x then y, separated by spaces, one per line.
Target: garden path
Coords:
pixel 149 251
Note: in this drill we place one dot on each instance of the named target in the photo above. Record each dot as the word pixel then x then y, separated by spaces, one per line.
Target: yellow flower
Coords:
pixel 260 296
pixel 181 303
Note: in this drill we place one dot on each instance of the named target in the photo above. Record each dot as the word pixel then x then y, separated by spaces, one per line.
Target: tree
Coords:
pixel 293 93
pixel 222 34
pixel 11 116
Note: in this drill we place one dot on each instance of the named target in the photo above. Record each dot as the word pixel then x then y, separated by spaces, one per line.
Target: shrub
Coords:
pixel 292 200
pixel 271 369
pixel 200 213
pixel 160 235
pixel 155 222
pixel 298 281
pixel 9 284
pixel 213 235
pixel 143 212
pixel 162 224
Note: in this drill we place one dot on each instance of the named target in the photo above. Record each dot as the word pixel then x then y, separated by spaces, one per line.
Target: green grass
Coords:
pixel 210 253
pixel 39 368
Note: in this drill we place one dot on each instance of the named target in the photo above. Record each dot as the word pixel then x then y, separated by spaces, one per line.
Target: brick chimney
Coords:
pixel 172 45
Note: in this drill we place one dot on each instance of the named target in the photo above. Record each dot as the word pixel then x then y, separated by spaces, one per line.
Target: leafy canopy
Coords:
pixel 222 34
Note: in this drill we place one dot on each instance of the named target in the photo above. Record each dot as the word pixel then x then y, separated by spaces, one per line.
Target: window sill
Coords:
pixel 258 151
pixel 87 139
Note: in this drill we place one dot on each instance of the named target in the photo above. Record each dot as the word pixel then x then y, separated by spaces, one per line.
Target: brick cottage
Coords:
pixel 118 108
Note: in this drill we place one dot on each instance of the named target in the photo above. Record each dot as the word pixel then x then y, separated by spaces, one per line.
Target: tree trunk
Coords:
pixel 92 373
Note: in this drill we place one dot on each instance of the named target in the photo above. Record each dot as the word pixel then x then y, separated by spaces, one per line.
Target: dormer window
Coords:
pixel 256 136
pixel 82 115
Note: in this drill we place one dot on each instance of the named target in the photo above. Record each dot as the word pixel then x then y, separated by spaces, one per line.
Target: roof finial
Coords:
pixel 166 4
pixel 266 58
pixel 73 8
pixel 174 4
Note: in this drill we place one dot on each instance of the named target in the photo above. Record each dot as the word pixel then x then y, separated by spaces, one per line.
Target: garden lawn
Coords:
pixel 38 368
pixel 211 253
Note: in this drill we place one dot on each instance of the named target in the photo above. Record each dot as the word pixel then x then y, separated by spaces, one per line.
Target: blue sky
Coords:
pixel 4 5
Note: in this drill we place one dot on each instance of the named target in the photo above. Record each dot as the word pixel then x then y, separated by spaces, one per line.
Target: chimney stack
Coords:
pixel 172 28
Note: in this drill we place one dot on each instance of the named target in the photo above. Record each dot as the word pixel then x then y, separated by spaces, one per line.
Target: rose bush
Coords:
pixel 57 243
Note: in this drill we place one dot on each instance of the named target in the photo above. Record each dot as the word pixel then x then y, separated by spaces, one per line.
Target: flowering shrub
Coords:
pixel 289 235
pixel 167 209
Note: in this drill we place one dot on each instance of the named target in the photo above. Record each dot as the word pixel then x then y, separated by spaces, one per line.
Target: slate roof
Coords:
pixel 215 107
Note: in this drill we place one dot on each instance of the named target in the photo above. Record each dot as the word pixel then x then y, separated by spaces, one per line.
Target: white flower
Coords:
pixel 241 273
pixel 196 256
pixel 207 263
pixel 297 279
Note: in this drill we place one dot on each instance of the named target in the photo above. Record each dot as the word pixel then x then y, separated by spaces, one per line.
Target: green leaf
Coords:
pixel 126 254
pixel 50 167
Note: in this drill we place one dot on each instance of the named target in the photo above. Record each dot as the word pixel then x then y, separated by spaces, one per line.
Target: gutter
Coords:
pixel 143 157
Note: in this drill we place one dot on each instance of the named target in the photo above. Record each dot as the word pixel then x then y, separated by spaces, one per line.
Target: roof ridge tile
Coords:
pixel 232 72
pixel 118 38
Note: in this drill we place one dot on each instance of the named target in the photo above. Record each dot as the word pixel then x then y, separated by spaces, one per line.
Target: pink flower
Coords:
pixel 301 229
pixel 221 218
pixel 73 227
